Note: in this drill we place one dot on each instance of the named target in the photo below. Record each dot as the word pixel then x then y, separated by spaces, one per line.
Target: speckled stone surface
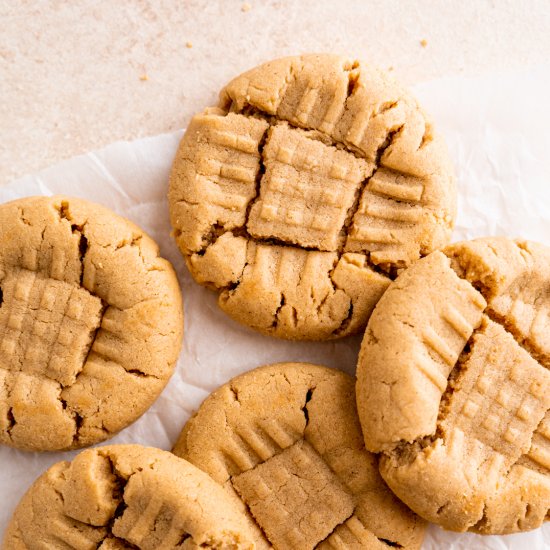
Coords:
pixel 76 76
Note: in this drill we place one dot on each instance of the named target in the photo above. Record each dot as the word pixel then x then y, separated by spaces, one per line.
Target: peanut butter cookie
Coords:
pixel 302 194
pixel 126 496
pixel 286 443
pixel 453 386
pixel 90 323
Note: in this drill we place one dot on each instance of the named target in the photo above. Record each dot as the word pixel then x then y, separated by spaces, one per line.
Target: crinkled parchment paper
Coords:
pixel 497 129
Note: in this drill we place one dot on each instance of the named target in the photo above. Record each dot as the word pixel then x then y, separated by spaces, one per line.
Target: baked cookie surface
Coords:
pixel 126 496
pixel 90 323
pixel 286 443
pixel 302 194
pixel 453 386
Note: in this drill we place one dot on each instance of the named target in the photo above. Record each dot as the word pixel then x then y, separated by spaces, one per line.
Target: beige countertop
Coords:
pixel 75 76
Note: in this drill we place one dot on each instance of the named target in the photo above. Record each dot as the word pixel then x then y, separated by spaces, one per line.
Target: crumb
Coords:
pixel 423 42
pixel 390 68
pixel 246 7
pixel 144 77
pixel 189 44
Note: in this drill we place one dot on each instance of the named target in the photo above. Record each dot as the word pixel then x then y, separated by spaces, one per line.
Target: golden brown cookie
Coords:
pixel 285 442
pixel 299 197
pixel 453 386
pixel 126 496
pixel 90 323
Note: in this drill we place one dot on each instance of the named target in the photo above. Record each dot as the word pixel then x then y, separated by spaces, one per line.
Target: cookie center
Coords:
pixel 46 326
pixel 295 497
pixel 307 192
pixel 497 401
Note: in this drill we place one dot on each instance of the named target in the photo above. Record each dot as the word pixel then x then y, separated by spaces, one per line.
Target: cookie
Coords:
pixel 453 386
pixel 303 193
pixel 126 496
pixel 286 443
pixel 90 323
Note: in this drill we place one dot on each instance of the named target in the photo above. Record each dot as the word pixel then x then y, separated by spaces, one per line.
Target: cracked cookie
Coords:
pixel 90 323
pixel 285 442
pixel 303 193
pixel 126 496
pixel 453 386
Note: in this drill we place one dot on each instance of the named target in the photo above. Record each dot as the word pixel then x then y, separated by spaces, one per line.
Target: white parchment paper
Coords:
pixel 498 131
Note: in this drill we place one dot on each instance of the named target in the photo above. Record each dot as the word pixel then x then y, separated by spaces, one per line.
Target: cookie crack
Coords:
pixel 78 419
pixel 406 451
pixel 248 512
pixel 522 341
pixel 259 175
pixel 11 421
pixel 134 371
pixel 211 236
pixel 235 392
pixel 352 210
pixel 282 303
pixel 390 543
pixel 121 481
pixel 391 136
pixel 453 381
pixel 353 72
pixel 483 520
pixel 184 537
pixel 216 231
pixel 22 218
pixel 335 528
pixel 255 112
pixel 78 422
pixel 118 513
pixel 307 399
pixel 346 321
pixel 136 240
pixel 82 250
pixel 527 462
pixel 141 374
pixel 94 334
pixel 118 496
pixel 63 211
pixel 485 290
pixel 427 136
